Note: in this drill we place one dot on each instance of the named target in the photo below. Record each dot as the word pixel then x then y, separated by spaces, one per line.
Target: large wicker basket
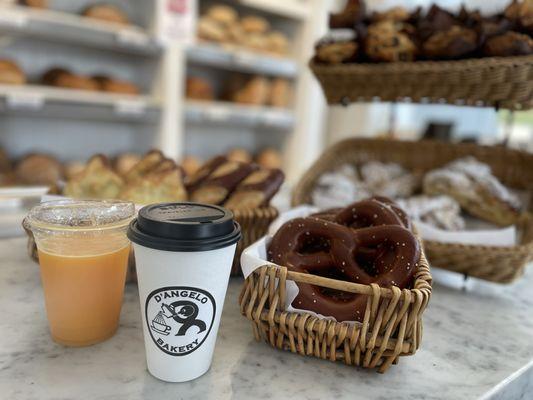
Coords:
pixel 254 225
pixel 504 82
pixel 512 167
pixel 391 328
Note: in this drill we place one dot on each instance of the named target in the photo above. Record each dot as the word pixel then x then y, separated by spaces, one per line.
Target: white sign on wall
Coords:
pixel 176 21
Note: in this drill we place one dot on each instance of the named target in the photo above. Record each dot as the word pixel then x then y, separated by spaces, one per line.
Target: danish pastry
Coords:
pixel 473 186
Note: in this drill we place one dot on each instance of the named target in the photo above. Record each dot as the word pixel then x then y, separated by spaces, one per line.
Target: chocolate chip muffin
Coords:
pixel 508 44
pixel 454 43
pixel 339 46
pixel 388 41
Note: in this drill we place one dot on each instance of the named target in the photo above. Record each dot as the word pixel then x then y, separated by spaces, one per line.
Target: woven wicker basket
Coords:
pixel 254 225
pixel 392 324
pixel 512 167
pixel 504 82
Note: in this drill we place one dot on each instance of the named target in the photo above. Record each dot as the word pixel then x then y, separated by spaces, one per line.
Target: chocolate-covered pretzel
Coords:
pixel 316 246
pixel 221 182
pixel 256 190
pixel 203 173
pixel 406 221
pixel 329 215
pixel 368 213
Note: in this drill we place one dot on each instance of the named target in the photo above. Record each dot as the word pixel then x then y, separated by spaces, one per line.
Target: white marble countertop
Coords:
pixel 478 344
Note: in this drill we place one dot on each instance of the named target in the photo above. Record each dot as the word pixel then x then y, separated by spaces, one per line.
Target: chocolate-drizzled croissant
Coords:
pixel 221 182
pixel 256 190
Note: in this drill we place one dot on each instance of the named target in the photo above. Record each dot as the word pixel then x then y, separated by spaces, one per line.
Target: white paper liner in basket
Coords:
pixel 255 256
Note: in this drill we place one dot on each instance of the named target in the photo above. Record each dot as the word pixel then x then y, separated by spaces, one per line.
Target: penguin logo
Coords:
pixel 179 319
pixel 186 316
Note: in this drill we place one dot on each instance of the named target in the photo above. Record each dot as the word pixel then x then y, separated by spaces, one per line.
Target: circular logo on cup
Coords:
pixel 179 318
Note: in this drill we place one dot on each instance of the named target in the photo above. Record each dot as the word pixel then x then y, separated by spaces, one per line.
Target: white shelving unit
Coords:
pixel 241 60
pixel 70 28
pixel 35 100
pixel 161 117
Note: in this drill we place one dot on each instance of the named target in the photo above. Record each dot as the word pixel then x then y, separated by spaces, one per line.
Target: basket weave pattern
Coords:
pixel 254 225
pixel 505 82
pixel 512 167
pixel 392 324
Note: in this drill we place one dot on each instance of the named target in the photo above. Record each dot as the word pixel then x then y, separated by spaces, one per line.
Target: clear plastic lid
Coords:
pixel 75 215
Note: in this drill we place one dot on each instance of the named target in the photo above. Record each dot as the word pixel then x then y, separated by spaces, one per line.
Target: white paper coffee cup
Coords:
pixel 183 254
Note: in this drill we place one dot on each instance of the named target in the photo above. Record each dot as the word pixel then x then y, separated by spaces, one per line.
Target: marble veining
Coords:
pixel 474 340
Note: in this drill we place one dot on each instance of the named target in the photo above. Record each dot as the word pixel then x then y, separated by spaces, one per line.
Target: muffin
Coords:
pixel 38 169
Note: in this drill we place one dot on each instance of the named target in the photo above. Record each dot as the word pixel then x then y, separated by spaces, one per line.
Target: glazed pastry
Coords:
pixel 389 179
pixel 339 188
pixel 97 181
pixel 38 169
pixel 235 34
pixel 256 190
pixel 254 92
pixel 34 3
pixel 387 255
pixel 473 186
pixel 353 12
pixel 107 13
pixel 63 78
pixel 108 84
pixel 454 43
pixel 254 24
pixel 255 41
pixel 124 163
pixel 199 89
pixel 222 14
pixel 442 212
pixel 279 93
pixel 270 159
pixel 191 165
pixel 73 169
pixel 397 14
pixel 240 155
pixel 163 184
pixel 10 73
pixel 277 42
pixel 387 41
pixel 339 46
pixel 193 181
pixel 211 30
pixel 221 182
pixel 508 44
pixel 147 164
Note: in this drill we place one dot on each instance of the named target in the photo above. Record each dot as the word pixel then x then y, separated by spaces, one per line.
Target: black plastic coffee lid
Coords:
pixel 184 227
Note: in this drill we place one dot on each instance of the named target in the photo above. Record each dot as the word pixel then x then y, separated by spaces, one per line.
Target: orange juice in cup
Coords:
pixel 83 255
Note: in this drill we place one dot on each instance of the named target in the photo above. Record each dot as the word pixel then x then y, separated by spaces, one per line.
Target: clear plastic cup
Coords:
pixel 83 254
